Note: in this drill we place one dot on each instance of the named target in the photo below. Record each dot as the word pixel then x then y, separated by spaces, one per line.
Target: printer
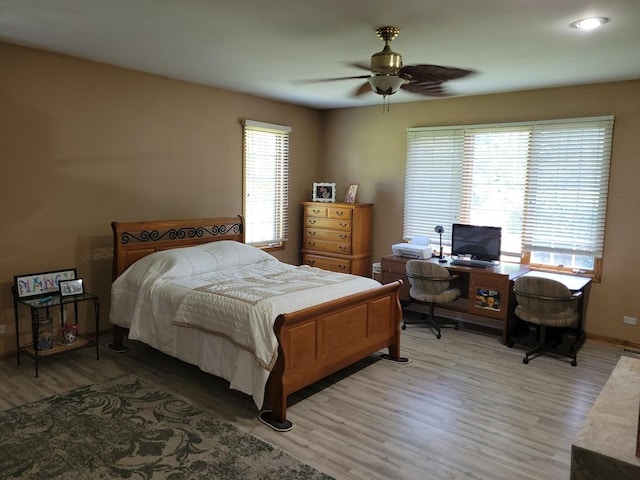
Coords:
pixel 419 248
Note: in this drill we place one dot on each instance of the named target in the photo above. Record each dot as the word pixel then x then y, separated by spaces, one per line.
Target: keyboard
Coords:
pixel 471 263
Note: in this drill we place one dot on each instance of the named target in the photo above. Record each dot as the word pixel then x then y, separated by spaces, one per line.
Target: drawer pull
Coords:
pixel 311 244
pixel 343 236
pixel 312 222
pixel 311 233
pixel 339 212
pixel 316 211
pixel 343 248
pixel 342 224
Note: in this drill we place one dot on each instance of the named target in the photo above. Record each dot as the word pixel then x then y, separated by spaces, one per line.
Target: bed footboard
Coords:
pixel 320 340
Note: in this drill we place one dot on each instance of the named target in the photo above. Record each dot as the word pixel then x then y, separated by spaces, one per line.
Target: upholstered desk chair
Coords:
pixel 546 303
pixel 430 285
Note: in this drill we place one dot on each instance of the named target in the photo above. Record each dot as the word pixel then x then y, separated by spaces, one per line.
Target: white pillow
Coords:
pixel 228 254
pixel 199 259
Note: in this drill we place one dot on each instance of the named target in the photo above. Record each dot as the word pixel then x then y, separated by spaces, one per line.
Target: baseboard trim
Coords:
pixel 613 341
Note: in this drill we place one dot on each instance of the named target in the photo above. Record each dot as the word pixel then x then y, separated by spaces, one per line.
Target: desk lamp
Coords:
pixel 440 231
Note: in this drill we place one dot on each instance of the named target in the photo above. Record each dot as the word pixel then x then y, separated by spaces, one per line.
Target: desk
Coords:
pixel 487 293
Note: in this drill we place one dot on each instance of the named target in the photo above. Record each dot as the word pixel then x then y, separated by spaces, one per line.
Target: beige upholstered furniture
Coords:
pixel 544 302
pixel 430 284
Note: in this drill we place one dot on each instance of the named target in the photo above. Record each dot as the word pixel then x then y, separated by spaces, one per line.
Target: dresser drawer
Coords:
pixel 327 263
pixel 330 235
pixel 326 246
pixel 339 212
pixel 315 211
pixel 328 223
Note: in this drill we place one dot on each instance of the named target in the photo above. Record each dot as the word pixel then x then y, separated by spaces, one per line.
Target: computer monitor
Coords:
pixel 478 242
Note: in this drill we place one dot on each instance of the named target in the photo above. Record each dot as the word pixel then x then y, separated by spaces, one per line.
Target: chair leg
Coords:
pixel 573 350
pixel 541 347
pixel 431 320
pixel 541 337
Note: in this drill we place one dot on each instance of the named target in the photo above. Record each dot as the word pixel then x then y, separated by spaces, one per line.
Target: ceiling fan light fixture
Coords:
pixel 589 23
pixel 386 84
pixel 386 62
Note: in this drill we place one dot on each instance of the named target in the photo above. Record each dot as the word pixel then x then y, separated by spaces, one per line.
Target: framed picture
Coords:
pixel 350 197
pixel 32 284
pixel 71 287
pixel 324 192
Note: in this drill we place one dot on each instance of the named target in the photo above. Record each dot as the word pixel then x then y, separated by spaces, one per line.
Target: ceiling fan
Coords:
pixel 388 75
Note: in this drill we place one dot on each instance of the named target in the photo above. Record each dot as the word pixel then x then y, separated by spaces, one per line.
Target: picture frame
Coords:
pixel 70 288
pixel 41 283
pixel 324 192
pixel 352 191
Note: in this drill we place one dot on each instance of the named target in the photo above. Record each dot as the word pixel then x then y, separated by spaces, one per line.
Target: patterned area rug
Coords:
pixel 127 429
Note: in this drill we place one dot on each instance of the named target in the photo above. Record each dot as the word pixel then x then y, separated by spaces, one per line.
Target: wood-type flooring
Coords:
pixel 466 407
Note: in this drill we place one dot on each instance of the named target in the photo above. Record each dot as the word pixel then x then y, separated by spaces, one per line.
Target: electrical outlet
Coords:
pixel 630 320
pixel 2 329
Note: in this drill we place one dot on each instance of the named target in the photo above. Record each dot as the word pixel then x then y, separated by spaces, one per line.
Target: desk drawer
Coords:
pixel 388 277
pixel 396 267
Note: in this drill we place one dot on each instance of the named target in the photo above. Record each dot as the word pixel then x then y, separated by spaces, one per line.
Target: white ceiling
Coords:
pixel 262 47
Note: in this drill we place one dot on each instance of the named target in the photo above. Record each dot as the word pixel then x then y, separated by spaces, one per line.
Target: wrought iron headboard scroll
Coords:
pixel 180 233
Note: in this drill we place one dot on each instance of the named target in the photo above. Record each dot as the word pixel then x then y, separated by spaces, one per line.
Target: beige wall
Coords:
pixel 83 144
pixel 365 146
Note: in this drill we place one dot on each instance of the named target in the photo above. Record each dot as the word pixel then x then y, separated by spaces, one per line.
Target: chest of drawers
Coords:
pixel 337 237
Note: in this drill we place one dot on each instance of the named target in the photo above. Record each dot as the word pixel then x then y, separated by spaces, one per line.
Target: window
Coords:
pixel 265 183
pixel 544 183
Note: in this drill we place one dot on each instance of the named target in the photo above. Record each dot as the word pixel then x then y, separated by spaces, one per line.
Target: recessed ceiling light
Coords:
pixel 589 23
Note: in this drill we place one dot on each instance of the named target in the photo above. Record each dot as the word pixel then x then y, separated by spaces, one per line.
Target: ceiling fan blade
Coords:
pixel 432 73
pixel 360 66
pixel 321 80
pixel 362 90
pixel 429 89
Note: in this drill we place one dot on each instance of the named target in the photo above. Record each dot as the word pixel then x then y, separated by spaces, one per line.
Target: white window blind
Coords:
pixel 265 182
pixel 544 183
pixel 433 180
pixel 567 187
pixel 494 173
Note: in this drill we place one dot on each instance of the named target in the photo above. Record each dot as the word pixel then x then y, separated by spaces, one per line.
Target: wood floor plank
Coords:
pixel 466 407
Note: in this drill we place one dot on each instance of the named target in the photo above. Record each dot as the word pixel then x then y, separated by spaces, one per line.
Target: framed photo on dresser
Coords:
pixel 352 191
pixel 324 192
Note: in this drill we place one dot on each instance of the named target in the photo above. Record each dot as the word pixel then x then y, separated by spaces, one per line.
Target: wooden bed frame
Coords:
pixel 312 343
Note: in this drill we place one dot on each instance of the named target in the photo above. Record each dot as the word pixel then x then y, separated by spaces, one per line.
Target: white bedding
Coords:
pixel 214 306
